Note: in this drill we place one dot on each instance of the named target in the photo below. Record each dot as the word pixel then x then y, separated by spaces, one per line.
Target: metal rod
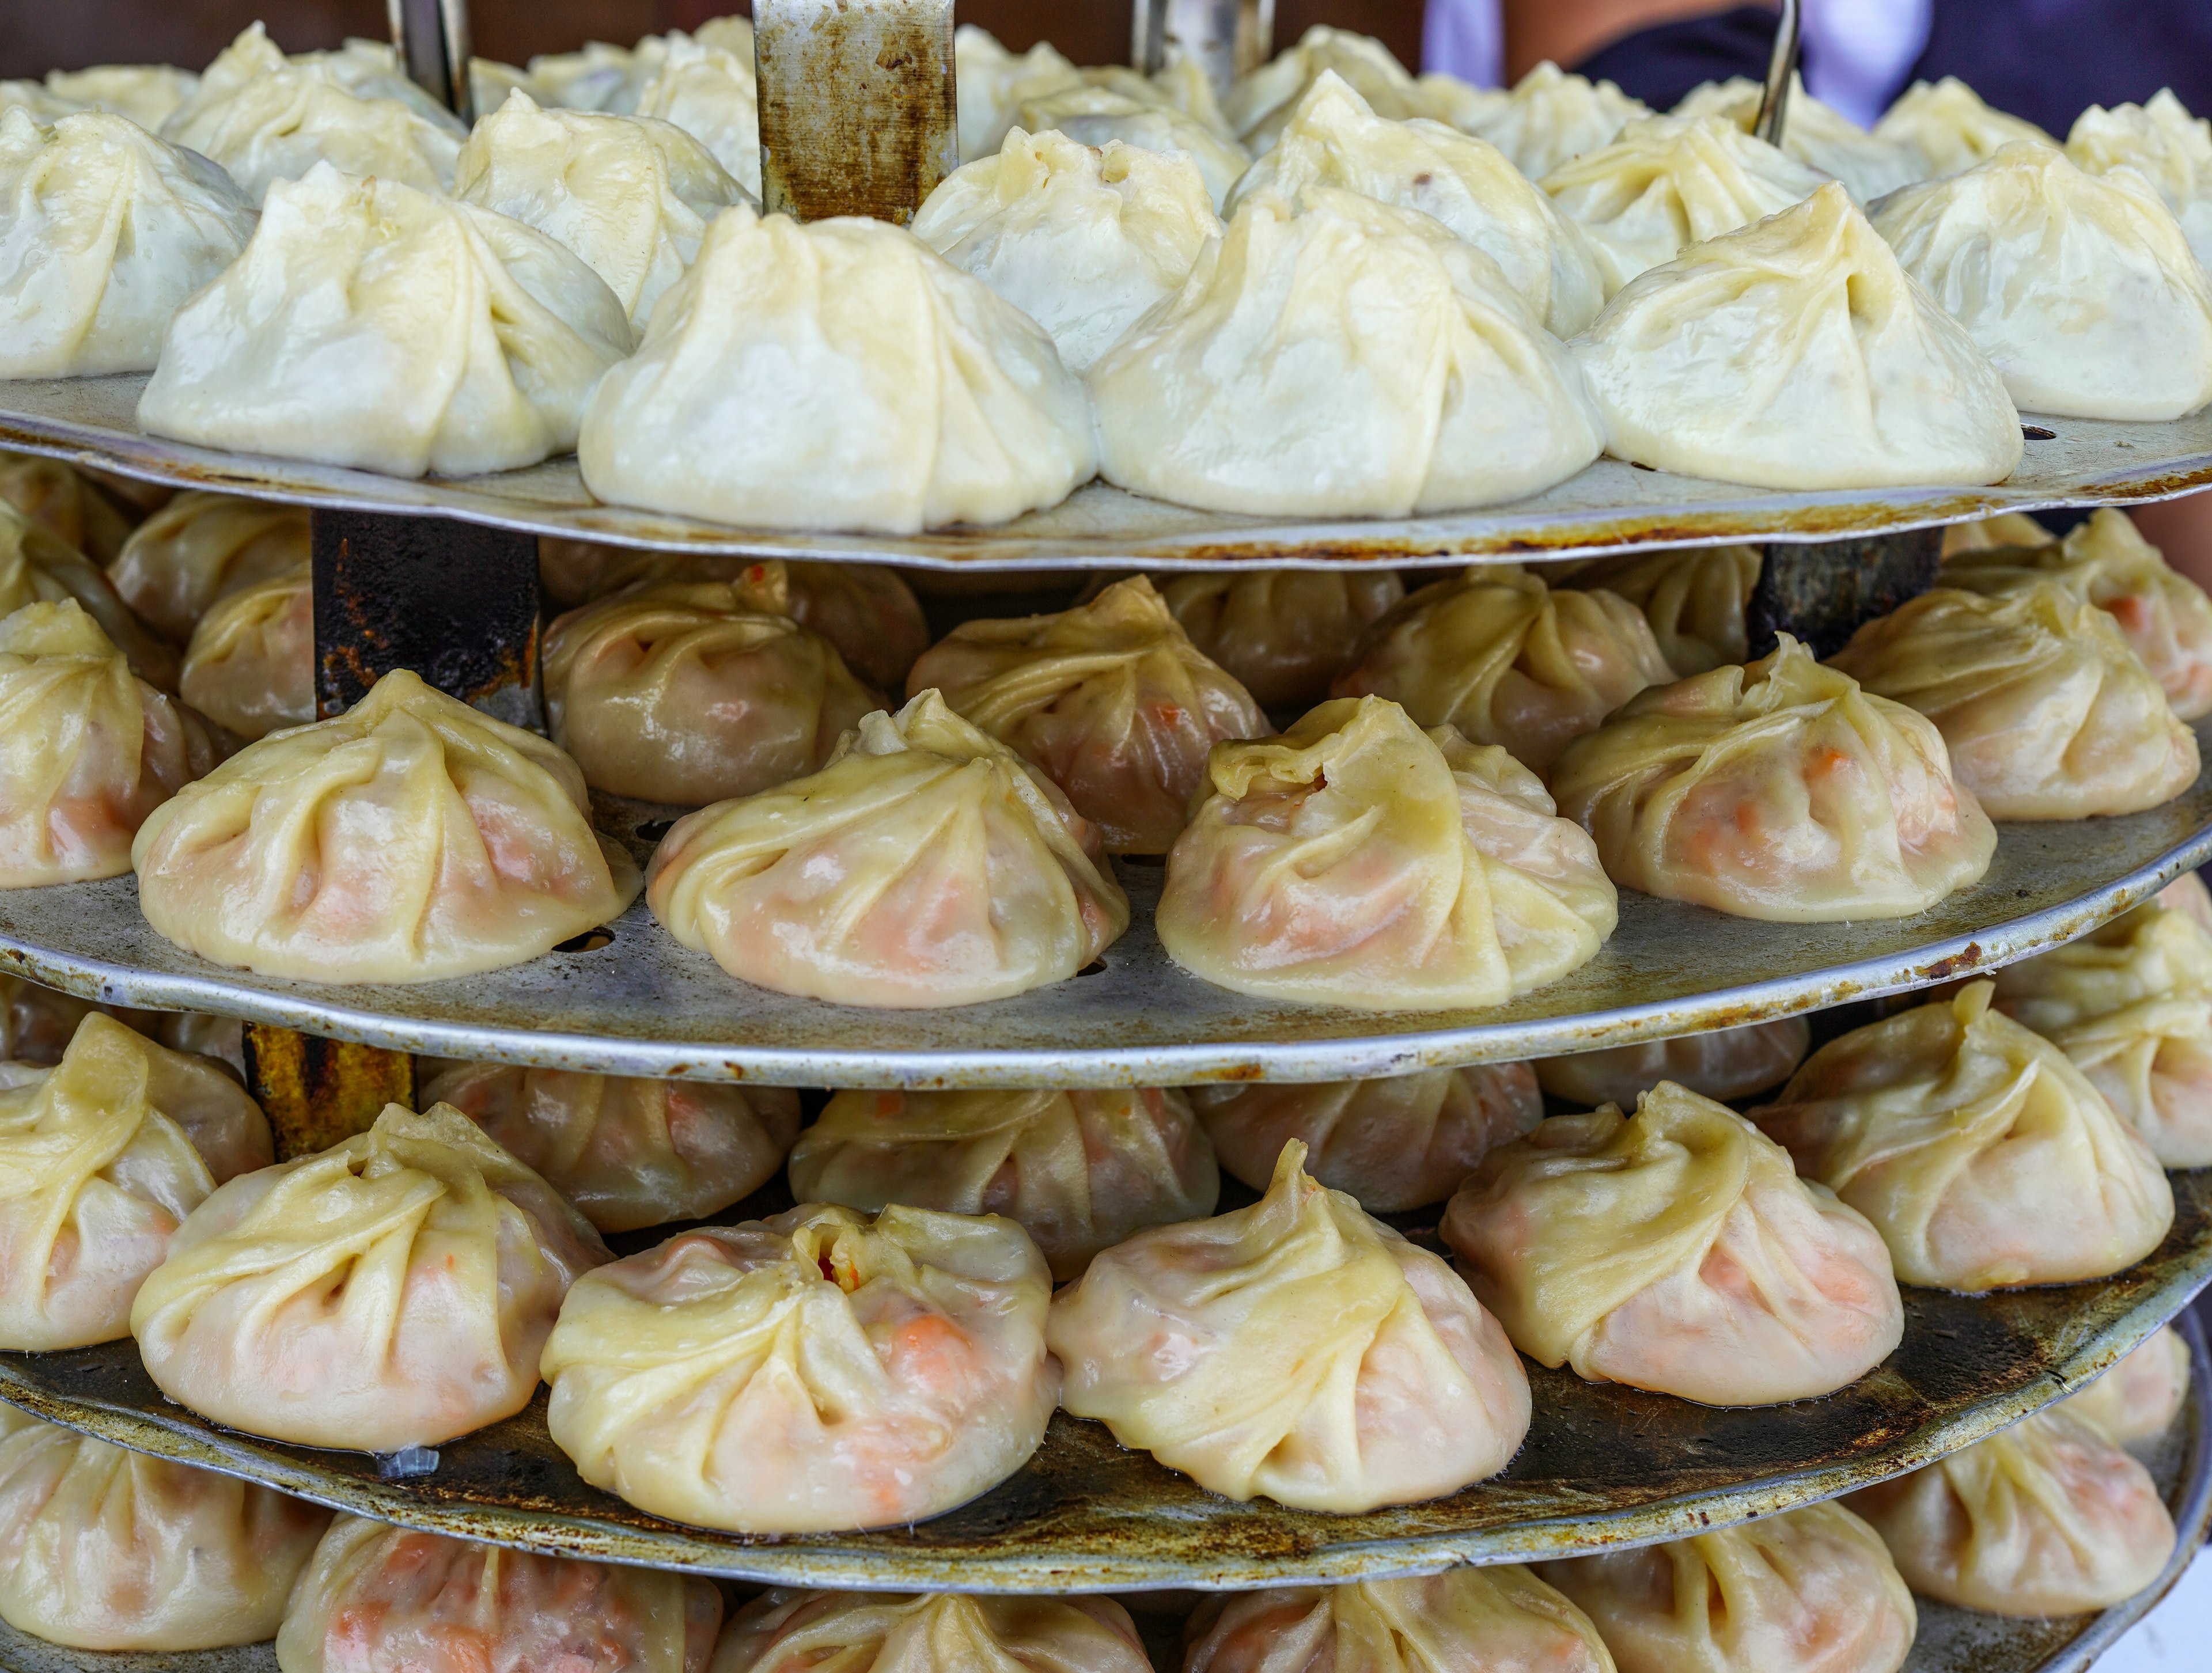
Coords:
pixel 1210 31
pixel 1774 103
pixel 432 37
pixel 1256 34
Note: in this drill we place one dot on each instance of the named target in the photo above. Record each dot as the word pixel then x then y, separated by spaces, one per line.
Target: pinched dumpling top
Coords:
pixel 1796 352
pixel 1693 597
pixel 199 546
pixel 1721 1064
pixel 1497 1617
pixel 1266 385
pixel 1263 102
pixel 708 91
pixel 1282 632
pixel 2010 248
pixel 992 81
pixel 1551 116
pixel 1098 115
pixel 838 374
pixel 1817 135
pixel 1334 138
pixel 146 92
pixel 1358 860
pixel 37 566
pixel 251 664
pixel 2137 1399
pixel 2164 143
pixel 876 1631
pixel 1778 791
pixel 104 232
pixel 1949 128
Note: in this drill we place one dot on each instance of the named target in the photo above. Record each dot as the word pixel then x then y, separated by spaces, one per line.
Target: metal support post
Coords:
pixel 319 1092
pixel 1822 591
pixel 432 37
pixel 1227 37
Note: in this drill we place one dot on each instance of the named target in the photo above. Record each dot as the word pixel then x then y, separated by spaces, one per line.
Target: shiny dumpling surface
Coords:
pixel 250 666
pixel 1551 116
pixel 1815 134
pixel 1946 127
pixel 1498 1617
pixel 199 546
pixel 2164 143
pixel 1721 1064
pixel 874 1632
pixel 710 92
pixel 2138 1398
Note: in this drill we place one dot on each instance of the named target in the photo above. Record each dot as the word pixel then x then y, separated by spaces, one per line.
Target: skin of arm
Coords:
pixel 1568 30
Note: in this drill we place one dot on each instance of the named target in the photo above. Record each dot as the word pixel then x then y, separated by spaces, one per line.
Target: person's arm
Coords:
pixel 1568 30
pixel 2182 528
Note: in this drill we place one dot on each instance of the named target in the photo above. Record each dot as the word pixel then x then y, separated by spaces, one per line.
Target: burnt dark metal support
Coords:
pixel 1821 591
pixel 318 1093
pixel 432 37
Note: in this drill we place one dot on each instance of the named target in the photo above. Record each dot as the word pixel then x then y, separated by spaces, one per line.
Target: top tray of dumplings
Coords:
pixel 1141 324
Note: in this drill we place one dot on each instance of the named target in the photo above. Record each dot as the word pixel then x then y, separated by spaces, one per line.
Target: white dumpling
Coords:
pixel 1082 239
pixel 1261 103
pixel 1796 352
pixel 34 97
pixel 596 76
pixel 821 1370
pixel 104 232
pixel 392 1291
pixel 2164 143
pixel 840 374
pixel 1299 1350
pixel 1095 115
pixel 1815 134
pixel 264 119
pixel 1667 182
pixel 409 839
pixel 709 93
pixel 1334 138
pixel 631 196
pixel 371 324
pixel 251 664
pixel 1496 1618
pixel 1946 127
pixel 2137 1399
pixel 2010 247
pixel 1270 382
pixel 1620 1245
pixel 1721 1064
pixel 201 546
pixel 1551 116
pixel 992 81
pixel 146 92
pixel 875 1632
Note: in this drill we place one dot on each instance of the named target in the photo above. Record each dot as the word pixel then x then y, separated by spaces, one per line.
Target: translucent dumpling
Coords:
pixel 1817 135
pixel 1810 1591
pixel 104 1156
pixel 628 1152
pixel 104 232
pixel 1946 127
pixel 2137 1399
pixel 873 1632
pixel 1282 633
pixel 709 93
pixel 2010 247
pixel 1077 1171
pixel 251 664
pixel 2130 1005
pixel 1694 597
pixel 199 546
pixel 2164 143
pixel 105 1550
pixel 1110 699
pixel 392 1291
pixel 38 567
pixel 2164 618
pixel 265 118
pixel 1093 115
pixel 1721 1064
pixel 146 92
pixel 381 1599
pixel 1082 239
pixel 1986 1159
pixel 2046 1518
pixel 1262 103
pixel 1395 1144
pixel 1299 1350
pixel 1667 182
pixel 1358 860
pixel 689 692
pixel 1507 660
pixel 821 1370
pixel 1499 1618
pixel 1796 353
pixel 631 196
pixel 1266 385
pixel 2046 712
pixel 1334 138
pixel 2006 529
pixel 1620 1245
pixel 840 374
pixel 1778 791
pixel 993 80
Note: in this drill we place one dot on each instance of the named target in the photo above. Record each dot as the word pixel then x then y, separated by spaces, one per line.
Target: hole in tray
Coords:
pixel 2037 432
pixel 590 942
pixel 654 829
pixel 1096 967
pixel 1156 862
pixel 1639 464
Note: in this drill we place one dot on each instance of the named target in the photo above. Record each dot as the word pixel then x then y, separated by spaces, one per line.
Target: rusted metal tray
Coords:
pixel 93 421
pixel 640 1004
pixel 1603 1466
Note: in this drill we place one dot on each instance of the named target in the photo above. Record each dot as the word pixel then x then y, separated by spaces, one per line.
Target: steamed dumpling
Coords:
pixel 1667 182
pixel 839 374
pixel 1498 1618
pixel 709 93
pixel 369 323
pixel 38 567
pixel 1723 1065
pixel 1077 1171
pixel 1264 102
pixel 2137 1399
pixel 1082 239
pixel 1358 860
pixel 1551 116
pixel 1297 1349
pixel 820 1370
pixel 873 1632
pixel 631 196
pixel 1334 138
pixel 1815 134
pixel 992 81
pixel 1281 633
pixel 2164 618
pixel 104 232
pixel 409 839
pixel 1096 116
pixel 251 664
pixel 2046 712
pixel 1986 1159
pixel 925 864
pixel 628 1152
pixel 63 501
pixel 201 546
pixel 1796 353
pixel 1507 660
pixel 90 749
pixel 1268 384
pixel 105 1550
pixel 1778 791
pixel 1619 1246
pixel 2009 248
pixel 1947 128
pixel 689 692
pixel 149 93
pixel 597 76
pixel 1810 1591
pixel 2046 1518
pixel 263 120
pixel 2164 143
pixel 381 1599
pixel 104 1156
pixel 392 1291
pixel 1395 1144
pixel 1694 597
pixel 1110 700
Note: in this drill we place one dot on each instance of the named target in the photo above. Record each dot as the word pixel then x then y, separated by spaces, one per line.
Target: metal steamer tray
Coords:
pixel 2069 462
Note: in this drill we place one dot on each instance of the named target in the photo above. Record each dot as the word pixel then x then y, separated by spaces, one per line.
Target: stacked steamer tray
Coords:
pixel 1604 1466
